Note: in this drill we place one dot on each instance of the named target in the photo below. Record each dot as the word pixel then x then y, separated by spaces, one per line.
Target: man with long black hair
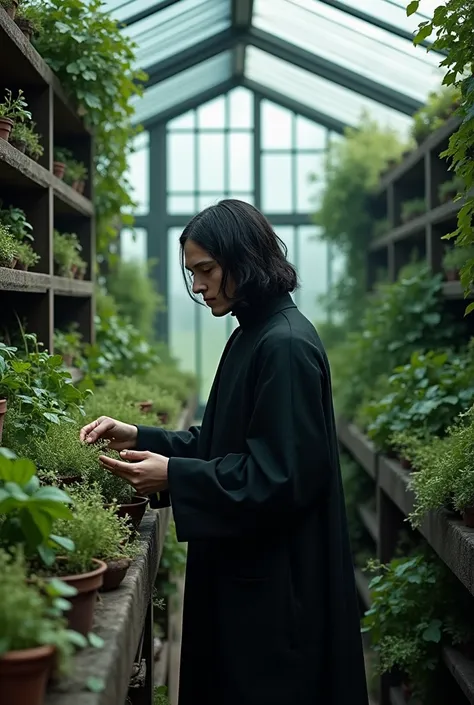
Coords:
pixel 270 615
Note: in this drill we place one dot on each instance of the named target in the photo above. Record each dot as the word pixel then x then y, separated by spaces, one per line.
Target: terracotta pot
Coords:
pixel 452 275
pixel 5 128
pixel 67 360
pixel 115 573
pixel 73 270
pixel 145 406
pixel 58 169
pixel 468 517
pixel 20 265
pixel 24 675
pixel 79 186
pixel 163 417
pixel 3 411
pixel 20 145
pixel 27 28
pixel 81 614
pixel 134 511
pixel 14 263
pixel 80 274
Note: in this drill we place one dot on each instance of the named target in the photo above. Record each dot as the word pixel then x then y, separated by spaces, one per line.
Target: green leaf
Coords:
pixel 56 586
pixel 62 541
pixel 433 632
pixel 95 641
pixel 53 494
pixel 413 7
pixel 95 685
pixel 423 34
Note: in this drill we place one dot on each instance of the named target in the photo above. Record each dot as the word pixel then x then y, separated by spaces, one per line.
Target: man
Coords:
pixel 270 615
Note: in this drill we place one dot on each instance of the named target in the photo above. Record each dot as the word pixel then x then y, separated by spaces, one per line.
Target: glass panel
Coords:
pixel 181 318
pixel 323 96
pixel 287 234
pixel 308 191
pixel 240 162
pixel 138 171
pixel 247 197
pixel 213 340
pixel 212 114
pixel 241 108
pixel 309 135
pixel 186 121
pixel 133 244
pixel 209 199
pixel 351 43
pixel 394 13
pixel 276 126
pixel 312 269
pixel 180 162
pixel 276 183
pixel 181 204
pixel 211 162
pixel 186 85
pixel 178 27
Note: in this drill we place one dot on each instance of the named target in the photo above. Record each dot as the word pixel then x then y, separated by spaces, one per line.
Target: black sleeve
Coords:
pixel 288 460
pixel 170 444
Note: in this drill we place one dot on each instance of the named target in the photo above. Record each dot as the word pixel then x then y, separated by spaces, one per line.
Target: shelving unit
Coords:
pixel 39 297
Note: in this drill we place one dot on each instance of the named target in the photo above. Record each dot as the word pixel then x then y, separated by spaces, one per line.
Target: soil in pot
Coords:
pixel 133 511
pixel 115 573
pixel 5 128
pixel 3 411
pixel 81 614
pixel 24 675
pixel 27 28
pixel 452 275
pixel 58 169
pixel 468 517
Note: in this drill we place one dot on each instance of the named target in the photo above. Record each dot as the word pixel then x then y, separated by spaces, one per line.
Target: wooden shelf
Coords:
pixel 69 201
pixel 462 670
pixel 64 286
pixel 362 584
pixel 369 519
pixel 17 280
pixel 16 169
pixel 359 446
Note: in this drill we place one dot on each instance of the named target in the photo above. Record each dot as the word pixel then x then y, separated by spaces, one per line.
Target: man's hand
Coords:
pixel 146 472
pixel 120 435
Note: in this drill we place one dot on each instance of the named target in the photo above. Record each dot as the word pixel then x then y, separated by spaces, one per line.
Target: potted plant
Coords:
pixel 10 6
pixel 28 19
pixel 65 252
pixel 33 632
pixel 26 256
pixel 412 209
pixel 381 227
pixel 7 380
pixel 61 157
pixel 454 260
pixel 76 175
pixel 449 189
pixel 81 268
pixel 7 247
pixel 15 219
pixel 68 344
pixel 25 138
pixel 12 110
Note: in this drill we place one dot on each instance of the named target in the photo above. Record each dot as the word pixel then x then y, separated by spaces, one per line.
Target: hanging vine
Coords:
pixel 453 27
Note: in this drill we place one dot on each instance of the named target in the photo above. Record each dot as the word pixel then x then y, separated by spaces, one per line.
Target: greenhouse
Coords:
pixel 147 442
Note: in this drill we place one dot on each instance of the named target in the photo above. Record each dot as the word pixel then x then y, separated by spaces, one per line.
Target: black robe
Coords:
pixel 270 611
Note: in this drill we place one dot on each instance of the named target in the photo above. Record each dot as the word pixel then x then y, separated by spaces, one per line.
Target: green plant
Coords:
pixel 96 531
pixel 75 171
pixel 456 257
pixel 412 208
pixel 160 695
pixel 28 511
pixel 7 4
pixel 32 614
pixel 414 606
pixel 450 188
pixel 69 345
pixel 451 24
pixel 380 227
pixel 14 108
pixel 30 14
pixel 438 108
pixel 82 43
pixel 26 254
pixel 62 155
pixel 22 132
pixel 7 246
pixel 15 220
pixel 422 397
pixel 67 250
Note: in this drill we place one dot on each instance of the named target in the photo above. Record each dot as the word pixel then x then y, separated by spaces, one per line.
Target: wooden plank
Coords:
pixel 24 63
pixel 67 201
pixel 16 169
pixel 462 670
pixel 369 519
pixel 359 446
pixel 66 286
pixel 452 541
pixel 17 280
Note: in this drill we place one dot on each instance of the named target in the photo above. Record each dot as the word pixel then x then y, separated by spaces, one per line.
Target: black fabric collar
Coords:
pixel 252 314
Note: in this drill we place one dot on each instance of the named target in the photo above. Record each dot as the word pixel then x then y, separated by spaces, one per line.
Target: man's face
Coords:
pixel 207 274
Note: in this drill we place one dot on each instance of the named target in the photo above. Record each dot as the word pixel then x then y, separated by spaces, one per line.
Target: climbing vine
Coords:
pixel 452 24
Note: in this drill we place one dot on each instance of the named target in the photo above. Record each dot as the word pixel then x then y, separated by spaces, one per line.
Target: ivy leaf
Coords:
pixel 413 7
pixel 95 641
pixel 433 632
pixel 95 685
pixel 423 33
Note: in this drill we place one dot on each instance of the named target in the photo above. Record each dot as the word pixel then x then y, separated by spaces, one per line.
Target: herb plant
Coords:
pixel 15 108
pixel 26 255
pixel 412 208
pixel 7 246
pixel 22 132
pixel 15 220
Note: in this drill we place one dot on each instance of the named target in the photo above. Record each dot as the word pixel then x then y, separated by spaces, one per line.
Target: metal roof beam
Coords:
pixel 190 103
pixel 218 43
pixel 295 106
pixel 242 14
pixel 332 72
pixel 153 10
pixel 376 22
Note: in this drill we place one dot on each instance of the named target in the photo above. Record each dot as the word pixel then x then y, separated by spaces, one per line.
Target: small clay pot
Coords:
pixel 80 274
pixel 25 674
pixel 22 266
pixel 58 169
pixel 5 128
pixel 452 275
pixel 468 517
pixel 26 27
pixel 133 511
pixel 73 270
pixel 145 406
pixel 11 12
pixel 20 145
pixel 115 573
pixel 79 186
pixel 81 614
pixel 3 411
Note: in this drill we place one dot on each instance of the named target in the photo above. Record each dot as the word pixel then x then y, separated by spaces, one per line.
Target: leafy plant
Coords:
pixel 14 108
pixel 8 246
pixel 69 345
pixel 30 14
pixel 449 188
pixel 438 108
pixel 28 511
pixel 26 254
pixel 62 155
pixel 75 171
pixel 381 227
pixel 422 397
pixel 414 607
pixel 456 257
pixel 67 250
pixel 160 695
pixel 15 220
pixel 22 132
pixel 412 208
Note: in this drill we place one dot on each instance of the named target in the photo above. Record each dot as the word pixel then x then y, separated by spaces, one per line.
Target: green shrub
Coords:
pixel 135 295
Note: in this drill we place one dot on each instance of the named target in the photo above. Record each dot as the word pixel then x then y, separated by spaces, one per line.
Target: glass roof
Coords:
pixel 351 43
pixel 164 29
pixel 318 93
pixel 184 86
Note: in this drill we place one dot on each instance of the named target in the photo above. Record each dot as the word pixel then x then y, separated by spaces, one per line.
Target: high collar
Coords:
pixel 253 314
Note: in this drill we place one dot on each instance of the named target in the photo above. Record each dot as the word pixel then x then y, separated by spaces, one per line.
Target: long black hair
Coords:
pixel 242 241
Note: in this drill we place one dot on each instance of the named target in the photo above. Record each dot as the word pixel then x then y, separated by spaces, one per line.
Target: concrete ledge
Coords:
pixel 359 446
